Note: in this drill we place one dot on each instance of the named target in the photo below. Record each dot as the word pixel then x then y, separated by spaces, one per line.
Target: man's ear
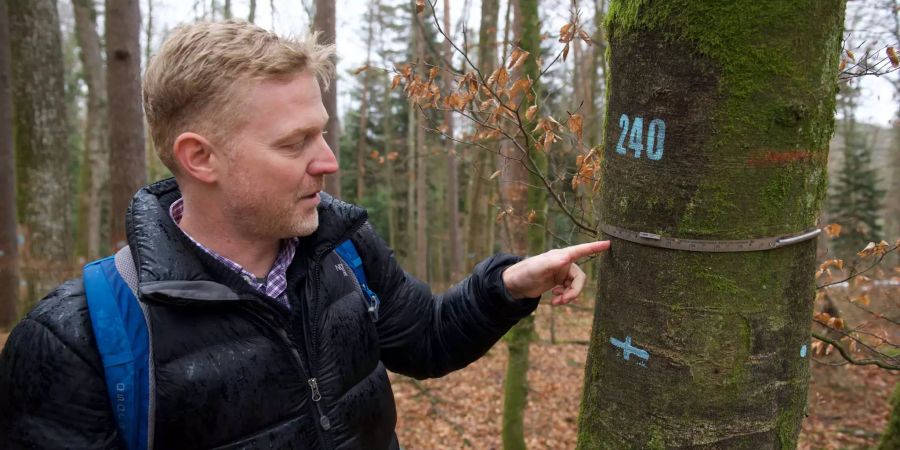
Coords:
pixel 197 157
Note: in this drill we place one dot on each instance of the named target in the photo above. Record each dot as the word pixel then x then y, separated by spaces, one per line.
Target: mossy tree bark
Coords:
pixel 41 148
pixel 128 151
pixel 519 338
pixel 891 437
pixel 745 91
pixel 9 248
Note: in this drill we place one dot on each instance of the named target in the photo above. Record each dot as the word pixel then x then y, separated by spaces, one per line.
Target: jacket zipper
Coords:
pixel 311 335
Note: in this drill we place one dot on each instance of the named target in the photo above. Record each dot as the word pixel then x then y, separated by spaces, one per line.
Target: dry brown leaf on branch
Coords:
pixel 862 300
pixel 565 52
pixel 500 216
pixel 361 69
pixel 832 230
pixel 374 154
pixel 432 73
pixel 839 263
pixel 532 216
pixel 392 156
pixel 494 175
pixel 420 6
pixel 585 37
pixel 522 84
pixel 851 55
pixel 519 60
pixel 842 65
pixel 576 123
pixel 396 81
pixel 566 32
pixel 892 55
pixel 529 114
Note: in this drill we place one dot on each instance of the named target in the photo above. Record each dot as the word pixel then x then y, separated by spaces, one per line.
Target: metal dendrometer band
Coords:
pixel 716 246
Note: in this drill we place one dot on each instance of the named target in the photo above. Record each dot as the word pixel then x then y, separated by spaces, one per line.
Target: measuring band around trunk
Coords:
pixel 714 246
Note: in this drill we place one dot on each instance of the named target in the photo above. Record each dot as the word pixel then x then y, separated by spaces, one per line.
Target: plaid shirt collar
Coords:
pixel 274 284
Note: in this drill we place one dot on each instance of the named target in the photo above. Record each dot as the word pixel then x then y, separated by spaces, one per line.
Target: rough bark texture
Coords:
pixel 456 246
pixel 128 160
pixel 746 90
pixel 891 437
pixel 42 154
pixel 9 248
pixel 324 22
pixel 515 395
pixel 96 136
pixel 479 224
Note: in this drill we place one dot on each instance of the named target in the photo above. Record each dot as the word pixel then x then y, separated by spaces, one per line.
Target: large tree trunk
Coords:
pixel 128 160
pixel 478 223
pixel 456 245
pixel 96 138
pixel 890 440
pixel 42 152
pixel 748 116
pixel 9 248
pixel 324 21
pixel 519 338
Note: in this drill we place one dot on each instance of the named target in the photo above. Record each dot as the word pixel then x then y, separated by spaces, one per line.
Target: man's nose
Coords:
pixel 325 163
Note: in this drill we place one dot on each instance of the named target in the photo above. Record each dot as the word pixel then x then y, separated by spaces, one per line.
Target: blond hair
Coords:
pixel 191 82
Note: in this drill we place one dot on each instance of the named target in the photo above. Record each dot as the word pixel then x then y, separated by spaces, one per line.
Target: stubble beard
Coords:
pixel 283 221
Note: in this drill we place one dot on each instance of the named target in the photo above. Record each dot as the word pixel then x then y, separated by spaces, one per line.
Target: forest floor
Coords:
pixel 848 406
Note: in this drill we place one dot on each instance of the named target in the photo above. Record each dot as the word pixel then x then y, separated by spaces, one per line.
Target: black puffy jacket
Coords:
pixel 232 368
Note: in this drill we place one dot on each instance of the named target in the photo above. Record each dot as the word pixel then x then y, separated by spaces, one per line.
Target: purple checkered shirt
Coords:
pixel 274 284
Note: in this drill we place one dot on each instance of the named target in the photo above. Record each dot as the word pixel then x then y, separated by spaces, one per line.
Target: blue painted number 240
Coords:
pixel 656 137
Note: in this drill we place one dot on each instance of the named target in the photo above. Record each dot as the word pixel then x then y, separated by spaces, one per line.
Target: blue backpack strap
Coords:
pixel 348 253
pixel 120 331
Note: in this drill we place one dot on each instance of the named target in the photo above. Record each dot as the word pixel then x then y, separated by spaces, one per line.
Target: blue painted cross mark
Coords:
pixel 628 349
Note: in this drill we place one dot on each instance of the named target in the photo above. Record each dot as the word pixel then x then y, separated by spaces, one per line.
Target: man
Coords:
pixel 259 336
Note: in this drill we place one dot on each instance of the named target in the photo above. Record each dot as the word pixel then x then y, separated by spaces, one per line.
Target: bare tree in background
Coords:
pixel 41 148
pixel 96 136
pixel 9 249
pixel 128 162
pixel 324 22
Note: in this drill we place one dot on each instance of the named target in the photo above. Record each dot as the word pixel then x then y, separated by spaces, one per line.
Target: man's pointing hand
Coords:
pixel 554 270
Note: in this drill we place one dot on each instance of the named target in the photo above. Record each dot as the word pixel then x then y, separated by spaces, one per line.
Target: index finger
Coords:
pixel 581 250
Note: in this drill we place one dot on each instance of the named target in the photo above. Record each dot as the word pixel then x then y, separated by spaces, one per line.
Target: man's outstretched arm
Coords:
pixel 425 335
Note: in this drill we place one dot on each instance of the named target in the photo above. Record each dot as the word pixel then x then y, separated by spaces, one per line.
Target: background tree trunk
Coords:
pixel 42 151
pixel 128 159
pixel 748 118
pixel 9 248
pixel 421 267
pixel 479 224
pixel 324 21
pixel 519 338
pixel 96 137
pixel 251 16
pixel 455 244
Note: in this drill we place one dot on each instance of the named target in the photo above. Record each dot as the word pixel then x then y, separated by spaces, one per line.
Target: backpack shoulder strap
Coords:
pixel 120 332
pixel 347 252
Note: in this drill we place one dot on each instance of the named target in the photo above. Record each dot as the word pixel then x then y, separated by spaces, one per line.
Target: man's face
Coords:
pixel 277 159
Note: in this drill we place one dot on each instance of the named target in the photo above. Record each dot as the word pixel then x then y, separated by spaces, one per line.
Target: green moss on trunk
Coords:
pixel 891 438
pixel 746 92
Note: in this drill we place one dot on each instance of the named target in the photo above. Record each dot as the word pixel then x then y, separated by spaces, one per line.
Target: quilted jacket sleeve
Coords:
pixel 52 391
pixel 424 335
